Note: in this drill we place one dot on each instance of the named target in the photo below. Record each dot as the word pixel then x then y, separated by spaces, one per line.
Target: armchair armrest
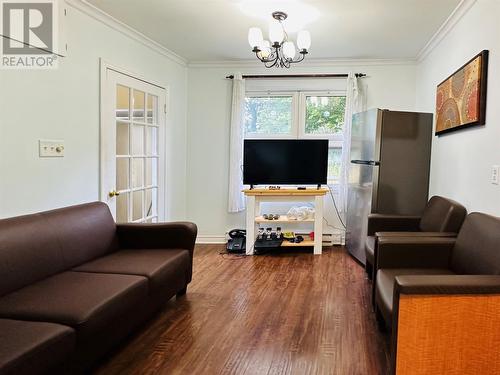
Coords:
pixel 178 235
pixel 413 252
pixel 448 284
pixel 392 223
pixel 415 234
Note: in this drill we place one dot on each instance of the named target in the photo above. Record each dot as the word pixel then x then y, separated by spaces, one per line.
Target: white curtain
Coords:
pixel 236 202
pixel 355 102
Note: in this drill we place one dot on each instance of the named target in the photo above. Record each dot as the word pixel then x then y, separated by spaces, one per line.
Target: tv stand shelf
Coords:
pixel 282 219
pixel 307 242
pixel 255 197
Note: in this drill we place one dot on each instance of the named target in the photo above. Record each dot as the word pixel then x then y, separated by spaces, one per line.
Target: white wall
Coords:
pixel 389 86
pixel 462 160
pixel 64 104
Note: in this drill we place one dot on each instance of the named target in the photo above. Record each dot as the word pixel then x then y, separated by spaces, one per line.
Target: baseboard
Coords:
pixel 211 239
pixel 329 239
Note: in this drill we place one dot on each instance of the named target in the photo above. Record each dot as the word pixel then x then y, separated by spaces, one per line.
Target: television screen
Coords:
pixel 285 162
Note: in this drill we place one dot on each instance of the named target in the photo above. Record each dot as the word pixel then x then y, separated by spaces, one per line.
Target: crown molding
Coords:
pixel 105 18
pixel 457 14
pixel 311 63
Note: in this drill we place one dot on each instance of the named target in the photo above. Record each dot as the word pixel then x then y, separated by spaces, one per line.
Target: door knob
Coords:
pixel 113 193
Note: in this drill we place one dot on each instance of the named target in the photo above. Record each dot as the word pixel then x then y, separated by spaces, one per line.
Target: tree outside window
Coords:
pixel 325 114
pixel 268 115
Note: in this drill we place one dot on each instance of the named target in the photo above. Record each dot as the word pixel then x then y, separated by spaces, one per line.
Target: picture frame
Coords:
pixel 461 98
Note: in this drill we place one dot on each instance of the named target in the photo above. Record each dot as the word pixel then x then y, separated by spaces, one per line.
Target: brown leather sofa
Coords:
pixel 442 298
pixel 74 284
pixel 441 217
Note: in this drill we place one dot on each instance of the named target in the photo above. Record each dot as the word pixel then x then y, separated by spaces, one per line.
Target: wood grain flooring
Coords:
pixel 292 313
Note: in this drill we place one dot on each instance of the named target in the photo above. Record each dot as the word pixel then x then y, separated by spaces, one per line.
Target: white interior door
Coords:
pixel 132 147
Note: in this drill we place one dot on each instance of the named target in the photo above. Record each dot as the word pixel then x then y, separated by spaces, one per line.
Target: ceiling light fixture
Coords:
pixel 279 51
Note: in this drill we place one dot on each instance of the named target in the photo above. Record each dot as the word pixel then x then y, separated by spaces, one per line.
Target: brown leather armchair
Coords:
pixel 442 217
pixel 441 296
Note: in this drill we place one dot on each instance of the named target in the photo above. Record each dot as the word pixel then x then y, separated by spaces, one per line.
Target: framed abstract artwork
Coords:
pixel 461 98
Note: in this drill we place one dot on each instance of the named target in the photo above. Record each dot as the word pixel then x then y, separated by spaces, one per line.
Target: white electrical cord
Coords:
pixel 337 211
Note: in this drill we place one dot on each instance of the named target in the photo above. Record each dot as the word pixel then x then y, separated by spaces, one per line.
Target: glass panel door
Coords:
pixel 133 164
pixel 136 155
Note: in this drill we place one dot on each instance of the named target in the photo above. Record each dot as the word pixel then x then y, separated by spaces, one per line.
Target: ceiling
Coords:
pixel 208 30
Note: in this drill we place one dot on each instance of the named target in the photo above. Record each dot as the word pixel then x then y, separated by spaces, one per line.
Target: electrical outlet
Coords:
pixel 51 148
pixel 495 178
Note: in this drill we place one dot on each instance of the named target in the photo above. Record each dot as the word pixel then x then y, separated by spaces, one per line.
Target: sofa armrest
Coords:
pixel 175 235
pixel 414 252
pixel 444 324
pixel 415 234
pixel 392 223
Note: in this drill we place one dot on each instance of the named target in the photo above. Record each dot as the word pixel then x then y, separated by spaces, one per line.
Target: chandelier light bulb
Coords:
pixel 304 40
pixel 265 49
pixel 254 37
pixel 276 33
pixel 289 50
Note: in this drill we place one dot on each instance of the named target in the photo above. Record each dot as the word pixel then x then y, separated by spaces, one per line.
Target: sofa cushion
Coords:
pixel 33 347
pixel 84 232
pixel 28 252
pixel 370 249
pixel 385 285
pixel 442 215
pixel 34 247
pixel 85 301
pixel 166 269
pixel 477 250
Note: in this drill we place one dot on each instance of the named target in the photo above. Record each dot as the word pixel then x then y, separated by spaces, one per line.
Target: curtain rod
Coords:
pixel 358 75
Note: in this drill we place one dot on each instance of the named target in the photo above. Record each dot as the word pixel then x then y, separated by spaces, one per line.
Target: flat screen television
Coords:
pixel 285 162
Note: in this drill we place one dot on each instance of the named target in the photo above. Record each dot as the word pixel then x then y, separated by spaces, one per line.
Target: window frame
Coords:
pixel 294 111
pixel 333 138
pixel 298 126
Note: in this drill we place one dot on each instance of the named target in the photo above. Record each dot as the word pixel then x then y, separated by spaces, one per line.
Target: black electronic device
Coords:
pixel 285 161
pixel 265 245
pixel 296 239
pixel 237 242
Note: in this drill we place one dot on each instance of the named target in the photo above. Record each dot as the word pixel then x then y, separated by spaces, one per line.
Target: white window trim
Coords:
pixel 295 119
pixel 298 128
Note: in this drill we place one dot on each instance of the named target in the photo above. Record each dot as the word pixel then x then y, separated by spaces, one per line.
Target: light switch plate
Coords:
pixel 495 178
pixel 51 148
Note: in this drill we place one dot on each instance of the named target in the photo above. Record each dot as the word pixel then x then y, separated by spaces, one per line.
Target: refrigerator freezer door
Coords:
pixel 365 135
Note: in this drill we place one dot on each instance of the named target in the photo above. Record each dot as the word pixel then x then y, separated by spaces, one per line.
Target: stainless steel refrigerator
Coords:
pixel 389 169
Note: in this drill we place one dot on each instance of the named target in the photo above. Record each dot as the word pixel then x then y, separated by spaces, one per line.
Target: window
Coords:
pixel 299 115
pixel 324 114
pixel 268 115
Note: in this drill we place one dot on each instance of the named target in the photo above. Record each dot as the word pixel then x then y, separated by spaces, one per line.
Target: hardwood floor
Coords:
pixel 293 313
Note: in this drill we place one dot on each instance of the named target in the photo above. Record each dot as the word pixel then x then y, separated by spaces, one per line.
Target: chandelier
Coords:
pixel 281 53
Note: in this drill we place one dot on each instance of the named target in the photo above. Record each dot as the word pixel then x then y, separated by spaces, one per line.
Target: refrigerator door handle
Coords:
pixel 366 162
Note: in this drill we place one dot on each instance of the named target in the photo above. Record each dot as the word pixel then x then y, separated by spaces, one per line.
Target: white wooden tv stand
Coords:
pixel 255 197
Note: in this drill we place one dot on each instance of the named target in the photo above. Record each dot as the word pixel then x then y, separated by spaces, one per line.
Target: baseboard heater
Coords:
pixel 329 239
